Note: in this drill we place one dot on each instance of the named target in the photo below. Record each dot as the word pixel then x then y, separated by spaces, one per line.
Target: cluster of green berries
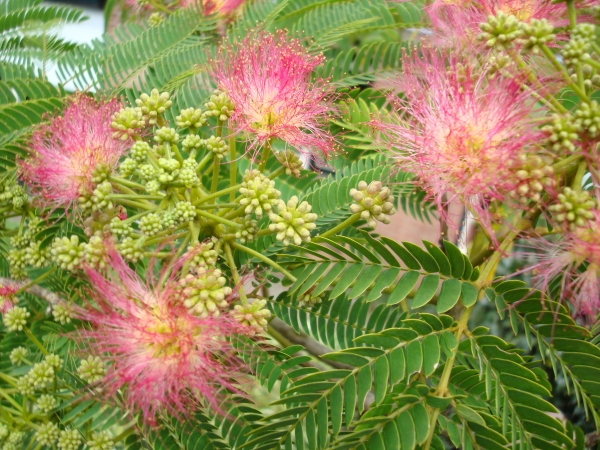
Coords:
pixel 293 222
pixel 204 293
pixel 258 194
pixel 253 315
pixel 534 173
pixel 575 209
pixel 374 203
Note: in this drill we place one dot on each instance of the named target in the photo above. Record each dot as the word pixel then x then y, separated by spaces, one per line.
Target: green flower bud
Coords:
pixel 500 31
pixel 563 132
pixel 3 431
pixel 101 441
pixel 292 163
pixel 19 356
pixel 534 173
pixel 15 319
pixel 154 19
pixel 63 312
pixel 248 231
pixel 69 440
pixel 55 361
pixel 217 145
pixel 127 167
pixel 374 202
pixel 100 197
pixel 204 255
pixel 152 187
pixel 67 253
pixel 575 209
pixel 139 151
pixel 253 315
pixel 35 256
pixel 47 434
pixel 127 122
pixel 169 165
pixel 166 134
pixel 192 141
pixel 148 172
pixel 293 222
pixel 95 252
pixel 205 294
pixel 41 374
pixel 536 33
pixel 190 117
pixel 25 385
pixel 219 106
pixel 258 194
pixel 309 300
pixel 130 250
pixel 46 403
pixel 101 173
pixel 92 369
pixel 17 260
pixel 151 224
pixel 19 197
pixel 184 212
pixel 153 105
pixel 587 118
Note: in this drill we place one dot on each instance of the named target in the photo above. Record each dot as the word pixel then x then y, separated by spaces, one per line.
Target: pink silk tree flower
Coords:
pixel 268 79
pixel 7 297
pixel 221 7
pixel 575 258
pixel 73 152
pixel 161 357
pixel 460 132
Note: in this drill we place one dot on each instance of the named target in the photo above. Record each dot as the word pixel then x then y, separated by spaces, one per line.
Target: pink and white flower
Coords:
pixel 67 153
pixel 162 357
pixel 268 79
pixel 460 132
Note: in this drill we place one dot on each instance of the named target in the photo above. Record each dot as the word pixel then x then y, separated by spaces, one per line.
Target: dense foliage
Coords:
pixel 191 248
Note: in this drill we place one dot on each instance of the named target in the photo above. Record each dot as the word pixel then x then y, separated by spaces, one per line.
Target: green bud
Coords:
pixel 127 122
pixel 47 434
pixel 15 319
pixel 258 194
pixel 153 105
pixel 46 403
pixel 69 440
pixel 151 224
pixel 67 253
pixel 190 117
pixel 92 369
pixel 219 106
pixel 252 315
pixel 293 222
pixel 19 356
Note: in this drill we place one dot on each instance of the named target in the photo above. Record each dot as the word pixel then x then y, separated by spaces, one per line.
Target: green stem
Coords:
pixel 11 400
pixel 218 206
pixel 232 165
pixel 577 180
pixel 264 259
pixel 572 14
pixel 346 223
pixel 216 218
pixel 37 343
pixel 134 204
pixel 135 196
pixel 36 281
pixel 215 175
pixel 565 162
pixel 126 183
pixel 234 272
pixel 264 156
pixel 560 68
pixel 217 194
pixel 204 162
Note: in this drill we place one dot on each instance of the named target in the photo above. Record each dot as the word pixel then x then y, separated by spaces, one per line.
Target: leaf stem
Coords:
pixel 36 281
pixel 346 223
pixel 264 259
pixel 37 343
pixel 234 272
pixel 216 218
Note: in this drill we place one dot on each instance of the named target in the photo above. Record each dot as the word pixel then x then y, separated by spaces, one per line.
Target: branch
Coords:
pixel 38 291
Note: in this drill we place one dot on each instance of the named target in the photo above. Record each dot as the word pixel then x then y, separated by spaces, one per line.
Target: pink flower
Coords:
pixel 457 130
pixel 222 7
pixel 268 79
pixel 68 152
pixel 576 259
pixel 161 357
pixel 458 20
pixel 7 297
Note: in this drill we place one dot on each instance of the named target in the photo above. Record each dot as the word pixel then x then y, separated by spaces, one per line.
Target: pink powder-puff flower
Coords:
pixel 459 20
pixel 161 357
pixel 460 132
pixel 268 79
pixel 7 297
pixel 221 7
pixel 70 152
pixel 575 258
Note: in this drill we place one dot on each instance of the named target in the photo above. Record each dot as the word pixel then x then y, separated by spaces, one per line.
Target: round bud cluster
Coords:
pixel 101 173
pixel 155 18
pixel 130 250
pixel 192 141
pixel 497 63
pixel 309 300
pixel 152 187
pixel 63 312
pixel 184 212
pixel 190 117
pixel 127 122
pixel 24 386
pixel 153 105
pixel 14 195
pixel 534 174
pixel 166 134
pixel 27 236
pixel 219 106
pixel 293 222
pixel 17 260
pixel 40 375
pixel 127 167
pixel 19 356
pixel 292 162
pixel 248 231
pixel 574 208
pixel 69 440
pixel 54 360
pixel 577 50
pixel 205 294
pixel 36 256
pixel 100 441
pixel 259 194
pixel 562 133
pixel 252 315
pixel 536 33
pixel 68 253
pixel 15 440
pixel 587 118
pixel 373 202
pixel 148 172
pixel 95 252
pixel 151 224
pixel 91 369
pixel 169 220
pixel 139 151
pixel 119 227
pixel 47 403
pixel 99 199
pixel 168 170
pixel 203 254
pixel 15 319
pixel 187 175
pixel 47 434
pixel 500 31
pixel 3 431
pixel 217 145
